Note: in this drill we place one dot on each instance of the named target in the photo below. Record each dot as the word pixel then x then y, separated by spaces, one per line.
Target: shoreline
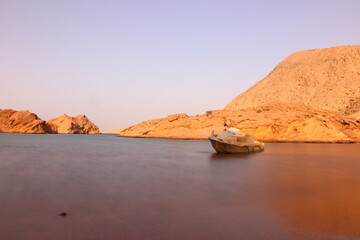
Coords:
pixel 260 140
pixel 193 138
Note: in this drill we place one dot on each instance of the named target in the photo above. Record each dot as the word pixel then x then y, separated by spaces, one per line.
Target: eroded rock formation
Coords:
pixel 12 121
pixel 272 122
pixel 79 124
pixel 327 78
pixel 311 96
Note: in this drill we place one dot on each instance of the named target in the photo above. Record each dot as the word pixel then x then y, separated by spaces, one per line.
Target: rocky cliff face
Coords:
pixel 12 121
pixel 272 122
pixel 79 124
pixel 311 96
pixel 327 78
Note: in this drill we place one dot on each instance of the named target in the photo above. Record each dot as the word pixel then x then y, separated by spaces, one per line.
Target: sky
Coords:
pixel 123 62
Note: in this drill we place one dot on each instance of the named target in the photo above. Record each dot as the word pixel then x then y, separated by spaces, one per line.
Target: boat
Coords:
pixel 232 140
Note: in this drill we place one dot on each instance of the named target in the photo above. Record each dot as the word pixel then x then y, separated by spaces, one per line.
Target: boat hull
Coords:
pixel 223 147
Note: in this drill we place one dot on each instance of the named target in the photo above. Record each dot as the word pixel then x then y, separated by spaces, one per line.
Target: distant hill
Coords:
pixel 12 121
pixel 327 78
pixel 113 131
pixel 79 124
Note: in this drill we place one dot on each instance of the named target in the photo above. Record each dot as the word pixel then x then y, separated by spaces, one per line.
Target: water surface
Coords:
pixel 123 188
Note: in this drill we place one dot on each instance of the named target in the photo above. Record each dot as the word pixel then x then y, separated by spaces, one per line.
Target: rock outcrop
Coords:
pixel 311 96
pixel 12 121
pixel 178 126
pixel 79 124
pixel 272 122
pixel 327 78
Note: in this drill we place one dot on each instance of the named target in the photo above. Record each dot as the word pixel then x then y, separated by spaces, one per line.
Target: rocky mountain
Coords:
pixel 79 124
pixel 327 78
pixel 12 121
pixel 272 122
pixel 311 96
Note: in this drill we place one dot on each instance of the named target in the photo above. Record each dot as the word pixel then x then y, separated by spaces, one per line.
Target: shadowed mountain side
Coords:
pixel 327 78
pixel 272 122
pixel 12 121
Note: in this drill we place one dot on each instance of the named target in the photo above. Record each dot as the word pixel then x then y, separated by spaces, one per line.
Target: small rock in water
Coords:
pixel 64 214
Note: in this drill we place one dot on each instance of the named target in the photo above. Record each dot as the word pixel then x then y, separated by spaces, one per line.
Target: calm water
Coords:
pixel 122 188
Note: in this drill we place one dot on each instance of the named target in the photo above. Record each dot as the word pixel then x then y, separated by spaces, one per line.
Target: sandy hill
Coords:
pixel 12 121
pixel 327 78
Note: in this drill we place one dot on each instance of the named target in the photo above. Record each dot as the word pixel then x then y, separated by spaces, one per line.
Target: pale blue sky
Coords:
pixel 122 62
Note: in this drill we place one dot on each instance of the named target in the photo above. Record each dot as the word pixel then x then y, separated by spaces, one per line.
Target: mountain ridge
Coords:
pixel 12 121
pixel 328 78
pixel 311 96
